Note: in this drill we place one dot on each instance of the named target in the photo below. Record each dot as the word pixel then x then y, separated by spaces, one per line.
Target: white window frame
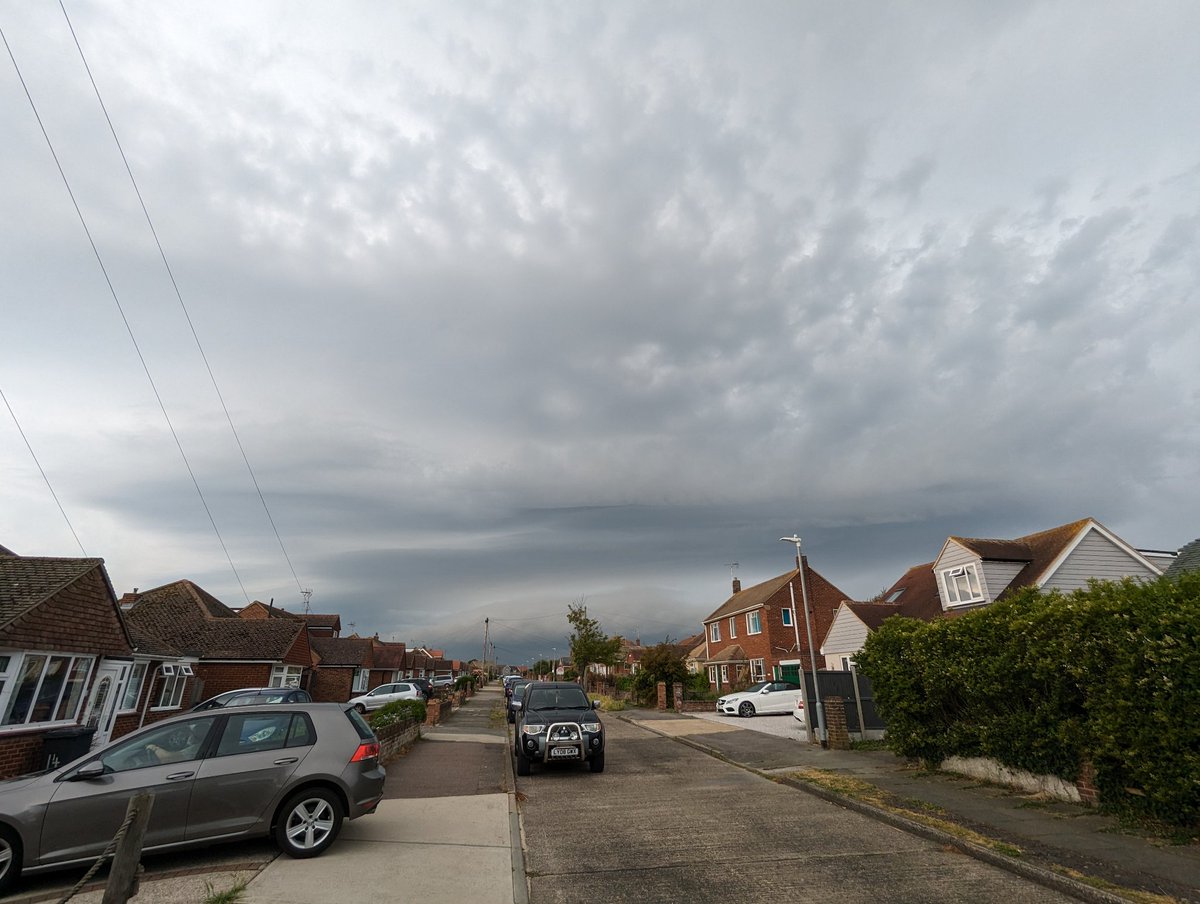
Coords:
pixel 961 585
pixel 847 663
pixel 170 695
pixel 758 670
pixel 715 633
pixel 732 627
pixel 724 674
pixel 712 674
pixel 12 666
pixel 754 623
pixel 285 675
pixel 362 677
pixel 133 688
pixel 787 617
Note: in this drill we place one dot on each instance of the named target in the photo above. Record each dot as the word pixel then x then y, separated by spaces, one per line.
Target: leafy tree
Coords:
pixel 589 644
pixel 663 662
pixel 542 667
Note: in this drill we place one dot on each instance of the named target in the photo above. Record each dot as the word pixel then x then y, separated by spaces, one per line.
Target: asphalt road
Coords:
pixel 665 822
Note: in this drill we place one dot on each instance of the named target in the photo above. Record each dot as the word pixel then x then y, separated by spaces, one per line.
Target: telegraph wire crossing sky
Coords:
pixel 514 306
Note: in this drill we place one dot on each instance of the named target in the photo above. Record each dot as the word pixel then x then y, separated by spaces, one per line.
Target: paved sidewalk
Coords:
pixel 1056 837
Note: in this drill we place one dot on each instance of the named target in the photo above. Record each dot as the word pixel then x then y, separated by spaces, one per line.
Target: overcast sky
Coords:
pixel 514 305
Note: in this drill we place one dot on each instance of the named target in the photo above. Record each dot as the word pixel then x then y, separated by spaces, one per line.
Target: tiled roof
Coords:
pixel 237 638
pixel 752 596
pixel 26 582
pixel 323 621
pixel 1037 550
pixel 1188 559
pixel 145 642
pixel 260 609
pixel 386 655
pixel 916 593
pixel 733 653
pixel 343 651
pixel 190 619
pixel 873 614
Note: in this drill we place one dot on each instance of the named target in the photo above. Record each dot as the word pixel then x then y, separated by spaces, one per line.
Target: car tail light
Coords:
pixel 367 750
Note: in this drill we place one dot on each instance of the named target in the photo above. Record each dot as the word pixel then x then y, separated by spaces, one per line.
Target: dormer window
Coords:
pixel 961 585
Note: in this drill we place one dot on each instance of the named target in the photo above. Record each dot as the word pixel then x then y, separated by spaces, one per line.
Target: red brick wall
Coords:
pixel 219 677
pixel 300 652
pixel 332 685
pixel 20 754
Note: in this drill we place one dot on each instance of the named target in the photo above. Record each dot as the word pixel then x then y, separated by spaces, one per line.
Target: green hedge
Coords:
pixel 398 711
pixel 1046 681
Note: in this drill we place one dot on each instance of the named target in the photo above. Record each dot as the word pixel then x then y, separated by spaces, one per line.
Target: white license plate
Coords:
pixel 564 751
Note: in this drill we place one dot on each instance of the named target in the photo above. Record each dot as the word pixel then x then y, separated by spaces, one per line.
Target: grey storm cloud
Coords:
pixel 517 306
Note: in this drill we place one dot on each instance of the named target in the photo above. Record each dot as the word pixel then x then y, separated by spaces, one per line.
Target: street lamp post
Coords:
pixel 812 652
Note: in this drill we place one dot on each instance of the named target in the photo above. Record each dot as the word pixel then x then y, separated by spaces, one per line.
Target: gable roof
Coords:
pixel 385 655
pixel 188 618
pixel 323 621
pixel 872 614
pixel 27 582
pixel 751 597
pixel 731 653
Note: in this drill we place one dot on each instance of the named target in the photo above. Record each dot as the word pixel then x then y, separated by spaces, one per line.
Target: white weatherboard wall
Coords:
pixel 846 637
pixel 1097 557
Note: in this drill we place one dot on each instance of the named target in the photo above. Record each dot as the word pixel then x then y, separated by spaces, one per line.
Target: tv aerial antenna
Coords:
pixel 306 595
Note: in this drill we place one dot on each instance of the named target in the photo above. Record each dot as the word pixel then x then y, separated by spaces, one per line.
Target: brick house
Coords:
pixel 757 630
pixel 343 667
pixel 387 662
pixel 68 658
pixel 229 651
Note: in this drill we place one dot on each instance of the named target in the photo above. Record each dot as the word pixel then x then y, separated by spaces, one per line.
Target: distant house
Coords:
pixel 758 631
pixel 68 658
pixel 971 573
pixel 1187 559
pixel 343 669
pixel 387 663
pixel 230 651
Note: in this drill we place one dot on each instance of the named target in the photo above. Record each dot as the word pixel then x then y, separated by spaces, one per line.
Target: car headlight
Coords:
pixel 593 727
pixel 532 729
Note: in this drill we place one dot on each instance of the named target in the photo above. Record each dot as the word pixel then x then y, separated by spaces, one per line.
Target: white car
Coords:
pixel 385 694
pixel 763 697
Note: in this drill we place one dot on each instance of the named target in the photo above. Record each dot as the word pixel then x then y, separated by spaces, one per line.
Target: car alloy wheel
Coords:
pixel 746 709
pixel 308 823
pixel 10 859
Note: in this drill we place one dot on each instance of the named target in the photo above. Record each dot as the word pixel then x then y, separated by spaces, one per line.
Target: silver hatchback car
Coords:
pixel 295 771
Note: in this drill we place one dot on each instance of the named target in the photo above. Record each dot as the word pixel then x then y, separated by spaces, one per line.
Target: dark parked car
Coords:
pixel 558 724
pixel 423 684
pixel 516 696
pixel 254 696
pixel 294 771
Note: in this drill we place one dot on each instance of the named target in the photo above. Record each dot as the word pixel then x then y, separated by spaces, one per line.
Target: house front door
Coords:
pixel 107 690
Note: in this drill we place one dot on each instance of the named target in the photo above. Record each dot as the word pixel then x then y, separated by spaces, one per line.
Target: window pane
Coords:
pixel 301 734
pixel 254 731
pixel 68 709
pixel 53 680
pixel 22 698
pixel 134 688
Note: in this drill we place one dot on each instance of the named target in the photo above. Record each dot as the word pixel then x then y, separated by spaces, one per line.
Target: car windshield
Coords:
pixel 755 688
pixel 558 698
pixel 519 691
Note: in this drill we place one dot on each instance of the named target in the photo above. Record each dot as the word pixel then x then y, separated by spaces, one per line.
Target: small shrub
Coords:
pixel 610 704
pixel 398 711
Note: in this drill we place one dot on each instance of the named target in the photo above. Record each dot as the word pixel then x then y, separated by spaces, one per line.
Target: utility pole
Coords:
pixel 812 652
pixel 486 628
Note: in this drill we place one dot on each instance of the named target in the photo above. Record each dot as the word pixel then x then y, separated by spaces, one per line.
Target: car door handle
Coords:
pixel 286 760
pixel 176 776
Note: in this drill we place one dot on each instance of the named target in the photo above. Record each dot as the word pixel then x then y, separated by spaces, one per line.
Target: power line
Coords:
pixel 179 295
pixel 128 328
pixel 70 526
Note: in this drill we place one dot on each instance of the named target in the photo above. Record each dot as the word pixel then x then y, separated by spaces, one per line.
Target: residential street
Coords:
pixel 665 822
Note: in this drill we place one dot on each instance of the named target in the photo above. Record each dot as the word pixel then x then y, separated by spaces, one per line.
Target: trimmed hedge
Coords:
pixel 1047 681
pixel 398 711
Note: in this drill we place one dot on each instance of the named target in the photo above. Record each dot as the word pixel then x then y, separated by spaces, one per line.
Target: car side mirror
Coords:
pixel 595 704
pixel 765 690
pixel 87 771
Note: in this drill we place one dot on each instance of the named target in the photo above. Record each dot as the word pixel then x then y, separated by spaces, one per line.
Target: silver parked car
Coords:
pixel 385 694
pixel 292 771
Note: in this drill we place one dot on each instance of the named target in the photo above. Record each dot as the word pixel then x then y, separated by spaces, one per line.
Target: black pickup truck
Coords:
pixel 558 724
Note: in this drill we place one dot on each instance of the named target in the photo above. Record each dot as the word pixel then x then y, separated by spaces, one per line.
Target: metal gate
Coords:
pixel 853 687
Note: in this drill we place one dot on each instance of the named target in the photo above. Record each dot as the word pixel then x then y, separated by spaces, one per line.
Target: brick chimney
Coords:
pixel 737 585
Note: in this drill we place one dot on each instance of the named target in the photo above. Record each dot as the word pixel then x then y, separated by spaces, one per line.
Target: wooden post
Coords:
pixel 123 876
